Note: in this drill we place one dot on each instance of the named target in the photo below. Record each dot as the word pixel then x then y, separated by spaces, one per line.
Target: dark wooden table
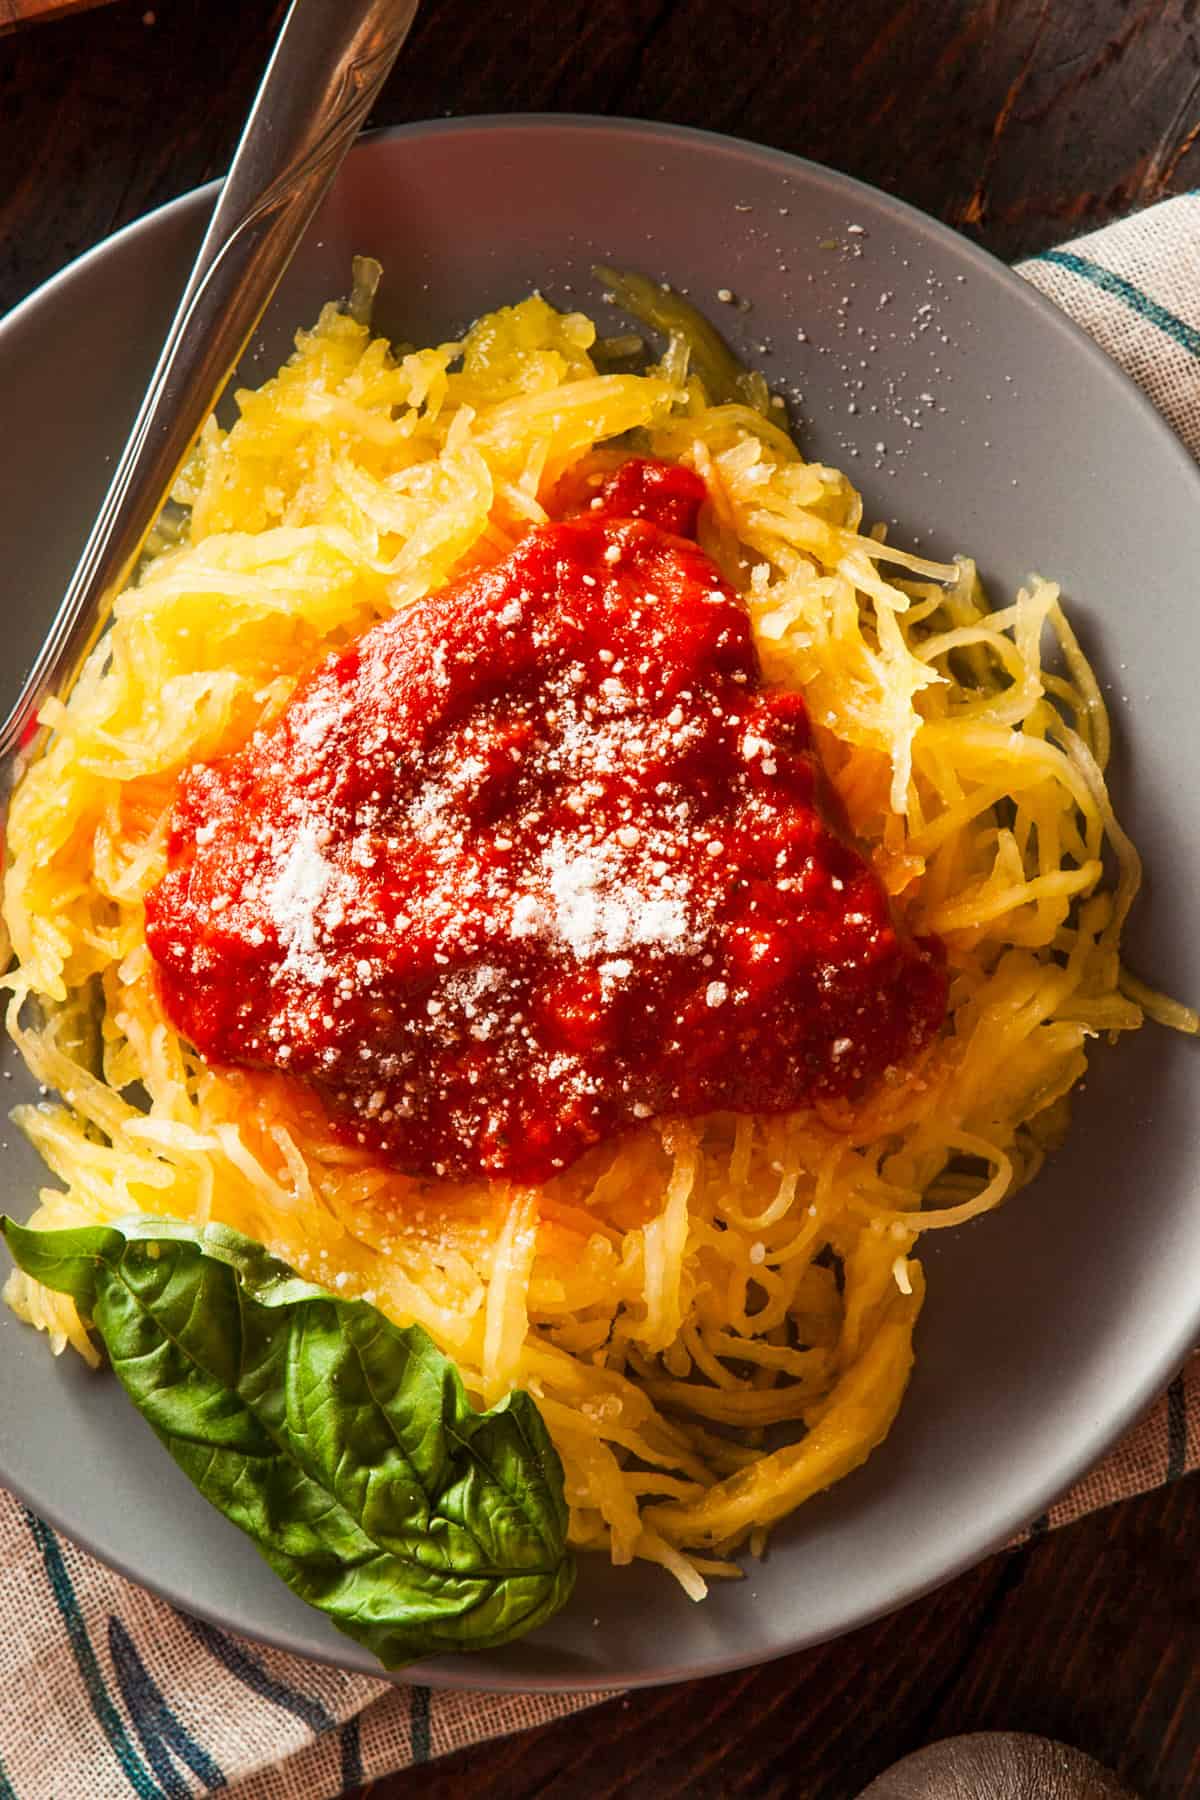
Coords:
pixel 1022 122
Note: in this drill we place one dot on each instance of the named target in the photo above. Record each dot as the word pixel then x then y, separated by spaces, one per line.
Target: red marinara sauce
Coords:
pixel 536 858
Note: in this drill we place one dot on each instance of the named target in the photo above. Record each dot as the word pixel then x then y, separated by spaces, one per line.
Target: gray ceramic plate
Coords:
pixel 1049 1324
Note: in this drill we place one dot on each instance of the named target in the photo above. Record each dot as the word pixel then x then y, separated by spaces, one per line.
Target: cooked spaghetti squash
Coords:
pixel 715 1317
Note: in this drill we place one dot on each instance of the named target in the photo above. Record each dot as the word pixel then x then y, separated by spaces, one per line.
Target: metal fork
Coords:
pixel 329 63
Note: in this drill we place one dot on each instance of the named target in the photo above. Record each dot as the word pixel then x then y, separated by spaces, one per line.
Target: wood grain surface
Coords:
pixel 34 12
pixel 1021 122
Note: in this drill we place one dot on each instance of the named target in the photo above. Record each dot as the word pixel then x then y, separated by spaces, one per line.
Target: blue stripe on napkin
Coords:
pixel 1141 303
pixel 1176 1429
pixel 161 1733
pixel 419 1724
pixel 352 1766
pixel 107 1716
pixel 254 1675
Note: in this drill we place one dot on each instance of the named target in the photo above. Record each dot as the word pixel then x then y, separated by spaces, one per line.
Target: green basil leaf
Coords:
pixel 65 1260
pixel 342 1444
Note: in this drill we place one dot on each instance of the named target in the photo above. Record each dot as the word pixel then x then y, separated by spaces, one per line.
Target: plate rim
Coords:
pixel 456 1674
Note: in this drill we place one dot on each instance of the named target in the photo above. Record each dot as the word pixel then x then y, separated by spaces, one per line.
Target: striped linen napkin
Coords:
pixel 109 1693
